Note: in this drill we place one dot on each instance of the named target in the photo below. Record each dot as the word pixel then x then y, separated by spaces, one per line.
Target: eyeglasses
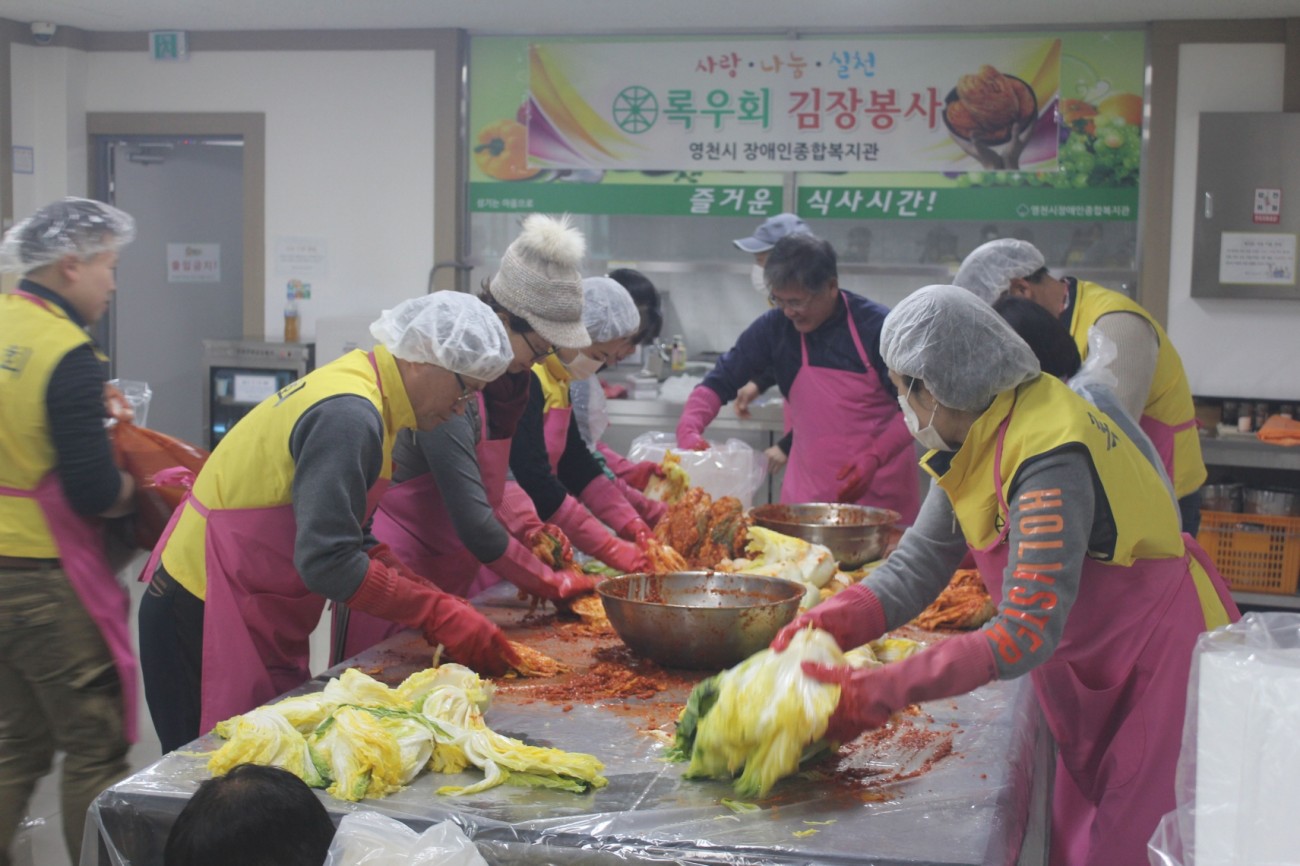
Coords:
pixel 537 356
pixel 466 392
pixel 795 306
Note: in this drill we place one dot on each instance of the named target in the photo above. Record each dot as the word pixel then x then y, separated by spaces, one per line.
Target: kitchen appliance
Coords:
pixel 701 620
pixel 855 534
pixel 239 374
pixel 1247 206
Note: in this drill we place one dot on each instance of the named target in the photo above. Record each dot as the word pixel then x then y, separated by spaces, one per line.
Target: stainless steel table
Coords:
pixel 972 807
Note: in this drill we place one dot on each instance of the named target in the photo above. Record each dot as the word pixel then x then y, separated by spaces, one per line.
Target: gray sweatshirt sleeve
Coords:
pixel 1137 348
pixel 338 450
pixel 449 451
pixel 919 569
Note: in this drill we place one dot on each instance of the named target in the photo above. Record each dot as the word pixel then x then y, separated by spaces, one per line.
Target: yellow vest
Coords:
pixel 555 380
pixel 252 466
pixel 1170 398
pixel 33 340
pixel 1046 416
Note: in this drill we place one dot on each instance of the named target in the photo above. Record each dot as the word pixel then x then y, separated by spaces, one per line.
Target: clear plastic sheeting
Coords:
pixel 970 807
pixel 730 468
pixel 371 839
pixel 1238 777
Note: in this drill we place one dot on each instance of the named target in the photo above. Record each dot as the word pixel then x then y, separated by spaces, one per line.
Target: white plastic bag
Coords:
pixel 138 395
pixel 730 469
pixel 371 839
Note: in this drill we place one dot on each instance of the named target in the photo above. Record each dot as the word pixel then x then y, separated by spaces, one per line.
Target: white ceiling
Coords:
pixel 619 16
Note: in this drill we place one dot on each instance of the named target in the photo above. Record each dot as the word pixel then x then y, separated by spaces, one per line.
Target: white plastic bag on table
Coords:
pixel 138 395
pixel 371 839
pixel 730 469
pixel 1238 779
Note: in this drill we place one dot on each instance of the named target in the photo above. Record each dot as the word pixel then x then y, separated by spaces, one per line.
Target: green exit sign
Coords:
pixel 168 45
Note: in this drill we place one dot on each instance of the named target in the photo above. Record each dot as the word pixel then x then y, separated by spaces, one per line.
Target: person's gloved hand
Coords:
pixel 383 553
pixel 591 537
pixel 603 498
pixel 638 532
pixel 870 696
pixel 856 476
pixel 566 546
pixel 853 617
pixel 517 513
pixel 701 408
pixel 651 510
pixel 640 474
pixel 622 556
pixel 443 618
pixel 519 566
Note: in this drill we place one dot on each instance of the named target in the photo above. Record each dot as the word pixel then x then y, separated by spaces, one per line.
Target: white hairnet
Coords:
pixel 990 268
pixel 71 226
pixel 964 352
pixel 453 330
pixel 608 311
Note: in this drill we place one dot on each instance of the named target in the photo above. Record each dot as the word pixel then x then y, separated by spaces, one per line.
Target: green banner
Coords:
pixel 694 199
pixel 998 203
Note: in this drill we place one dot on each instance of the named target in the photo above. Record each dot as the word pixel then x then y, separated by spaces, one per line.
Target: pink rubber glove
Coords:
pixel 856 476
pixel 869 697
pixel 517 513
pixel 591 537
pixel 637 475
pixel 701 408
pixel 519 566
pixel 651 510
pixel 607 502
pixel 443 618
pixel 853 617
pixel 384 554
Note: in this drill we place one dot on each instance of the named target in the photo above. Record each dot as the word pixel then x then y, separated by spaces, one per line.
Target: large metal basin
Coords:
pixel 701 620
pixel 855 534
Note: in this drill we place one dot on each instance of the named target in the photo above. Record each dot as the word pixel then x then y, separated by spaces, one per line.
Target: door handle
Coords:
pixel 1209 205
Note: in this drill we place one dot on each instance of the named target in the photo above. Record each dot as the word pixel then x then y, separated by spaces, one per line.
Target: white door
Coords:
pixel 186 195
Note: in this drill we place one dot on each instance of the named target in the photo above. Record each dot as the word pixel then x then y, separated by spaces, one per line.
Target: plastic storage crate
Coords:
pixel 1254 552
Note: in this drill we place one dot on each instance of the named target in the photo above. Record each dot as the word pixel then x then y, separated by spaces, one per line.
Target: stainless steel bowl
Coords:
pixel 1280 503
pixel 855 534
pixel 702 620
pixel 1222 497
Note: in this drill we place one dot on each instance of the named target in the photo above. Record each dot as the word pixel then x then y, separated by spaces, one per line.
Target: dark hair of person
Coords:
pixel 646 297
pixel 1037 276
pixel 253 816
pixel 518 324
pixel 1046 335
pixel 801 260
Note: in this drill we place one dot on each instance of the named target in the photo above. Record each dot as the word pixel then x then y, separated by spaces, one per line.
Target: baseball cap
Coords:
pixel 771 231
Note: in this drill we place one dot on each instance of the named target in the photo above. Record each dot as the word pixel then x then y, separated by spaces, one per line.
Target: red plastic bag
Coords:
pixel 144 454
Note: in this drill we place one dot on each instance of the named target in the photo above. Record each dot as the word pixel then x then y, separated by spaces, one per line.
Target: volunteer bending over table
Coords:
pixel 67 670
pixel 823 345
pixel 439 516
pixel 1101 596
pixel 556 473
pixel 276 523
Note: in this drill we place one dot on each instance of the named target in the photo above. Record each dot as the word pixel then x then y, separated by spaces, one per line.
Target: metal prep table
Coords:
pixel 973 807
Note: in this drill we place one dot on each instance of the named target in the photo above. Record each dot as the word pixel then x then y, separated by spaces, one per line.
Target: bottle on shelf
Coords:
pixel 677 355
pixel 291 317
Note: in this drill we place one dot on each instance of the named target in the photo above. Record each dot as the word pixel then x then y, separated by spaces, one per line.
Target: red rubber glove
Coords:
pixel 853 617
pixel 519 566
pixel 517 513
pixel 701 408
pixel 591 537
pixel 607 502
pixel 383 553
pixel 651 510
pixel 856 477
pixel 641 473
pixel 869 697
pixel 443 618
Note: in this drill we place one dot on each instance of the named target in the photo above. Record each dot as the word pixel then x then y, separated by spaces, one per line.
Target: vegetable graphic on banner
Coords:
pixel 923 105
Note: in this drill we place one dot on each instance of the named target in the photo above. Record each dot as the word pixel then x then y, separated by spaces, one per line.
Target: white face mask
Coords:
pixel 927 435
pixel 583 367
pixel 756 281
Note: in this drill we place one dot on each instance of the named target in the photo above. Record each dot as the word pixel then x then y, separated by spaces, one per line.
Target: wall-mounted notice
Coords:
pixel 253 388
pixel 194 263
pixel 304 258
pixel 1257 259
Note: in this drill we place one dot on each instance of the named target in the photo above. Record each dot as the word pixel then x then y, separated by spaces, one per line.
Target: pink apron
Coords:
pixel 258 613
pixel 413 520
pixel 1162 437
pixel 839 412
pixel 555 428
pixel 81 556
pixel 1114 693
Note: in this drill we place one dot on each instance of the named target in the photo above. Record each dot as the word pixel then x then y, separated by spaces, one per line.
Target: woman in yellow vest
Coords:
pixel 1100 595
pixel 1152 385
pixel 278 516
pixel 65 645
